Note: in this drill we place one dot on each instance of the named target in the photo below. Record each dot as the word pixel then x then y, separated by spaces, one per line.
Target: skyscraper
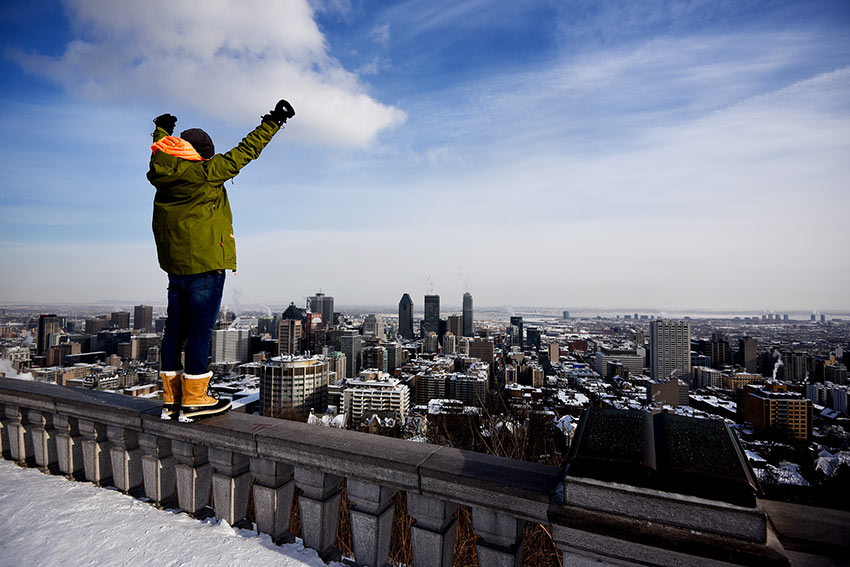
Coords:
pixel 747 356
pixel 289 336
pixel 405 317
pixel 48 324
pixel 670 348
pixel 467 314
pixel 484 350
pixel 352 346
pixel 120 320
pixel 431 323
pixel 516 331
pixel 324 305
pixel 532 337
pixel 455 325
pixel 374 324
pixel 143 317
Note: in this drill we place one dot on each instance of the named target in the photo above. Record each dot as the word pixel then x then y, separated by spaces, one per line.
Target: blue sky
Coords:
pixel 654 154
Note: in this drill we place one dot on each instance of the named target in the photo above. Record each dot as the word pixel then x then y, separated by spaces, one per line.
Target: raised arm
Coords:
pixel 222 167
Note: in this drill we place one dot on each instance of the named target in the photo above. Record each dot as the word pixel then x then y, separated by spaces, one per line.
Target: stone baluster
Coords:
pixel 157 467
pixel 274 488
pixel 231 483
pixel 500 538
pixel 43 440
pixel 433 533
pixel 319 507
pixel 126 457
pixel 69 447
pixel 194 475
pixel 96 460
pixel 20 440
pixel 371 521
pixel 4 435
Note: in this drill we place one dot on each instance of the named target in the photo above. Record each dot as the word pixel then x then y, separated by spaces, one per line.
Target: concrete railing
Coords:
pixel 115 440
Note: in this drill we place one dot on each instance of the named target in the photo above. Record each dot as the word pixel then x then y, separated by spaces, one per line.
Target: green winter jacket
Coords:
pixel 192 222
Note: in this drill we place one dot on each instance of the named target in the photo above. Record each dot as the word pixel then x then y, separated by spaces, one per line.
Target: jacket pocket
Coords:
pixel 228 247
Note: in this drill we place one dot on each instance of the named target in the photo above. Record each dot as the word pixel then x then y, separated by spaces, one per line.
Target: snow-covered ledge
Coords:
pixel 110 439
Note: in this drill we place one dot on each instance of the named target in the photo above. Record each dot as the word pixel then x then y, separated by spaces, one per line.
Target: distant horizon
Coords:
pixel 389 307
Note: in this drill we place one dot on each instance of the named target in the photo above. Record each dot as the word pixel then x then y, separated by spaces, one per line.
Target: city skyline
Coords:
pixel 667 155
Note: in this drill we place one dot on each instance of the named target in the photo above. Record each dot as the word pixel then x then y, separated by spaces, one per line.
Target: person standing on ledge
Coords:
pixel 193 229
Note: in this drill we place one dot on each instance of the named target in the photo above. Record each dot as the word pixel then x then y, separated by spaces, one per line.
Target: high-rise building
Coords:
pixel 405 317
pixel 323 305
pixel 835 373
pixel 670 349
pixel 554 353
pixel 704 377
pixel 230 345
pixel 431 342
pixel 449 343
pixel 374 325
pixel 430 385
pixel 141 344
pixel 455 325
pixel 467 314
pixel 315 334
pixel 532 336
pixel 289 337
pixel 375 357
pixel 431 323
pixel 719 350
pixel 143 317
pixel 336 365
pixel 484 350
pixel 376 393
pixel 395 356
pixel 515 331
pixel 352 346
pixel 48 324
pixel 747 356
pixel 795 366
pixel 775 409
pixel 120 320
pixel 299 383
pixel 94 325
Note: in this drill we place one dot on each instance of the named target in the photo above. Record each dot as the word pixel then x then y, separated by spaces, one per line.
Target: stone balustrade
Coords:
pixel 120 441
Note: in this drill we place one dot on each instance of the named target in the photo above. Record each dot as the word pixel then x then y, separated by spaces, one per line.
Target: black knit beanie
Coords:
pixel 200 140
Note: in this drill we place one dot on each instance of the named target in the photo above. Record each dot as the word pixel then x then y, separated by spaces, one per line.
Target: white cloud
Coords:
pixel 381 34
pixel 230 59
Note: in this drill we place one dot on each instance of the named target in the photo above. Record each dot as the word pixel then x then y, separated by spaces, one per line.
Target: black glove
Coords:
pixel 166 122
pixel 282 112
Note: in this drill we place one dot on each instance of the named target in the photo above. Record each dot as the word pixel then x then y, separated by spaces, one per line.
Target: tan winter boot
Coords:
pixel 196 402
pixel 171 393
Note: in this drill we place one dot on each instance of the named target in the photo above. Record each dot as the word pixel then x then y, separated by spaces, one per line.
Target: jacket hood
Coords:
pixel 177 147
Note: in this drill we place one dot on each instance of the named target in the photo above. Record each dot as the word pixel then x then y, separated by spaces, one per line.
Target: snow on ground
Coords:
pixel 49 520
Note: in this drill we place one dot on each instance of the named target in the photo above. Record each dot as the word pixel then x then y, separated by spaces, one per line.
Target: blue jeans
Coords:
pixel 193 303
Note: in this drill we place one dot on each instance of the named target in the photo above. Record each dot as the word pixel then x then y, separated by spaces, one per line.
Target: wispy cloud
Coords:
pixel 381 34
pixel 231 60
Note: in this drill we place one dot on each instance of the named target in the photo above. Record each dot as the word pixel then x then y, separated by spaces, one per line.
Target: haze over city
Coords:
pixel 670 155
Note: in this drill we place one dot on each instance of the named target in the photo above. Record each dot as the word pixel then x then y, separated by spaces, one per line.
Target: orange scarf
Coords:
pixel 177 147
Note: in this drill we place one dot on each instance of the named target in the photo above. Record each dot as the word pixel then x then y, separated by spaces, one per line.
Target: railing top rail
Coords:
pixel 520 488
